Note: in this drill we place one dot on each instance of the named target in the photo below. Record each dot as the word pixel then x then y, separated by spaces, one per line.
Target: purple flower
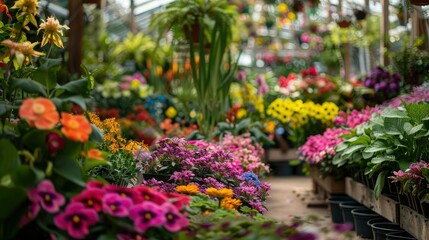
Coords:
pixel 303 236
pixel 174 221
pixel 383 85
pixel 33 210
pixel 185 176
pixel 343 227
pixel 241 75
pixel 115 205
pixel 54 142
pixel 146 215
pixel 76 220
pixel 46 195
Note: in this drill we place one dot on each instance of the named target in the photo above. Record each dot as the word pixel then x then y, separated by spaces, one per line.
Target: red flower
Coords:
pixel 91 198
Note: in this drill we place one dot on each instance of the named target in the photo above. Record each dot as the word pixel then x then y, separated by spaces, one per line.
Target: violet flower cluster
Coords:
pixel 99 206
pixel 383 81
pixel 413 179
pixel 355 117
pixel 320 147
pixel 419 94
pixel 208 165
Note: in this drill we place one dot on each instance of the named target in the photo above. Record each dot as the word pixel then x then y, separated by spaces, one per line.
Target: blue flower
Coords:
pixel 252 177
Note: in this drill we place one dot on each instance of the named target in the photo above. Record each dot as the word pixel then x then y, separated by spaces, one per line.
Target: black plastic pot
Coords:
pixel 347 208
pixel 334 205
pixel 403 235
pixel 380 230
pixel 361 217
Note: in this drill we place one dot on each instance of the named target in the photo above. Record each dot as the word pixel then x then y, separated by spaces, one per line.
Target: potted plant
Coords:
pixel 360 14
pixel 344 21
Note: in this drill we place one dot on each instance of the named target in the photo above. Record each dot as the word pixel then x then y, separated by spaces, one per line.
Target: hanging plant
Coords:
pixel 298 6
pixel 360 14
pixel 344 21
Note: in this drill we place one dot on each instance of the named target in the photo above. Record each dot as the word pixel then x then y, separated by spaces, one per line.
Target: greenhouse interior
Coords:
pixel 214 119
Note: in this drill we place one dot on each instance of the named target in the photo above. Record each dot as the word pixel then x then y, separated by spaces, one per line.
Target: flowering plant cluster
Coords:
pixel 314 41
pixel 303 119
pixel 105 211
pixel 355 117
pixel 310 85
pixel 204 164
pixel 419 94
pixel 384 83
pixel 414 179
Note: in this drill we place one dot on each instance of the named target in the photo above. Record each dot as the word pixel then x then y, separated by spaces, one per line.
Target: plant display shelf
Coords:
pixel 326 186
pixel 385 206
pixel 414 223
pixel 410 220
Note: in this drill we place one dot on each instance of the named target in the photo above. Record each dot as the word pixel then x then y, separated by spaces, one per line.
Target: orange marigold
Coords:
pixel 39 112
pixel 230 203
pixel 221 193
pixel 75 127
pixel 189 189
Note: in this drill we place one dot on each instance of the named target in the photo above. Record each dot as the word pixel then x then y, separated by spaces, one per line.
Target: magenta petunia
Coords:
pixel 147 214
pixel 91 198
pixel 76 220
pixel 54 142
pixel 147 194
pixel 46 195
pixel 94 184
pixel 174 220
pixel 115 205
pixel 179 200
pixel 124 192
pixel 33 210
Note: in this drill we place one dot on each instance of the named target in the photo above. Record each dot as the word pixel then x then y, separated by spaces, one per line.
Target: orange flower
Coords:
pixel 219 193
pixel 189 189
pixel 52 32
pixel 75 127
pixel 94 154
pixel 39 112
pixel 230 203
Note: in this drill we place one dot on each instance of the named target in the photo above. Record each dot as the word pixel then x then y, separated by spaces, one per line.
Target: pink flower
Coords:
pixel 147 214
pixel 115 205
pixel 91 198
pixel 174 221
pixel 147 194
pixel 76 220
pixel 33 210
pixel 179 200
pixel 46 195
pixel 54 142
pixel 94 184
pixel 124 192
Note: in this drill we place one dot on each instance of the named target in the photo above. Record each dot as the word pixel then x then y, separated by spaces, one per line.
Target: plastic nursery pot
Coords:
pixel 376 220
pixel 380 230
pixel 361 217
pixel 334 205
pixel 347 208
pixel 399 236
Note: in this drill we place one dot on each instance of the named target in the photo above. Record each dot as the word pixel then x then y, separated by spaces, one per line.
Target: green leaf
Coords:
pixel 29 86
pixel 223 126
pixel 27 176
pixel 91 163
pixel 394 113
pixel 14 197
pixel 377 146
pixel 76 87
pixel 35 138
pixel 5 107
pixel 242 125
pixel 417 111
pixel 69 169
pixel 78 100
pixel 46 73
pixel 354 148
pixel 394 126
pixel 379 184
pixel 96 134
pixel 378 160
pixel 9 159
pixel 363 139
pixel 415 129
pixel 367 155
pixel 404 165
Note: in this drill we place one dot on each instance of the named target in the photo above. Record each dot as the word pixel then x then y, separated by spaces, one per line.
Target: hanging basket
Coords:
pixel 419 2
pixel 360 14
pixel 344 23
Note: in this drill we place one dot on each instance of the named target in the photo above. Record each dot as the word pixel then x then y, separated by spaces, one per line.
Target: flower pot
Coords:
pixel 360 14
pixel 379 230
pixel 376 220
pixel 399 236
pixel 419 2
pixel 344 23
pixel 361 217
pixel 346 209
pixel 334 205
pixel 425 209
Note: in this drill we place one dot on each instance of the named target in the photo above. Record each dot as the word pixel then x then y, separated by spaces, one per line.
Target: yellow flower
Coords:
pixel 193 114
pixel 282 8
pixel 270 126
pixel 21 52
pixel 221 193
pixel 135 84
pixel 170 112
pixel 52 32
pixel 143 92
pixel 241 113
pixel 28 9
pixel 291 16
pixel 189 189
pixel 229 203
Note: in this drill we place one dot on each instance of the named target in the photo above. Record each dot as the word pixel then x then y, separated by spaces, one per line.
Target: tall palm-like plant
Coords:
pixel 213 21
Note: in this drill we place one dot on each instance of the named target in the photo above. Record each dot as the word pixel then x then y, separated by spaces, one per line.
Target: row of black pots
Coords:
pixel 366 223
